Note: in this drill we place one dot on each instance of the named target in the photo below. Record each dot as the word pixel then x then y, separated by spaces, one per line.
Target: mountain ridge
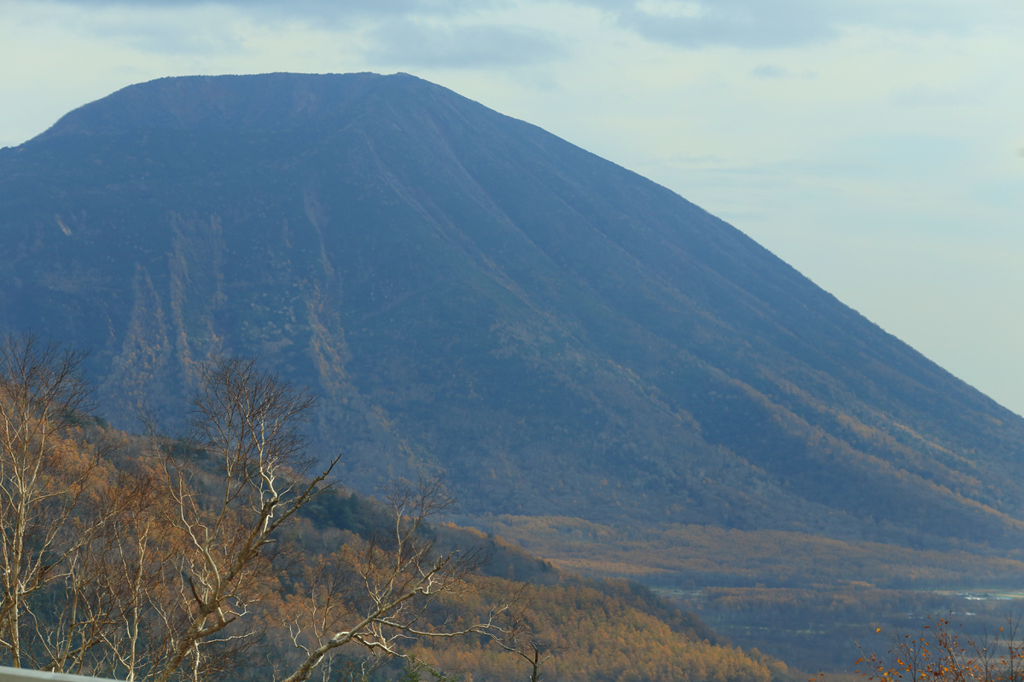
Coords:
pixel 133 108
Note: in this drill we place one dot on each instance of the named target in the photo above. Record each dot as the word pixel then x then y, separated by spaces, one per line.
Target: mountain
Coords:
pixel 469 294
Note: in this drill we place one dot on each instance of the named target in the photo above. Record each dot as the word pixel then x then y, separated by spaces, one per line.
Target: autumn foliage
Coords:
pixel 156 559
pixel 229 554
pixel 598 632
pixel 942 652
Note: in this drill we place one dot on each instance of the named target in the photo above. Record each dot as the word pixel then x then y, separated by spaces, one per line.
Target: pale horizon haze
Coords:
pixel 877 146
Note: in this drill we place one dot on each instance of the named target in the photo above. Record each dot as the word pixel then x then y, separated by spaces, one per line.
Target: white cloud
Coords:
pixel 414 43
pixel 768 24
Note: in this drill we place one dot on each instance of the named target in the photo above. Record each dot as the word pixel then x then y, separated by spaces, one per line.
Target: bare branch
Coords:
pixel 401 579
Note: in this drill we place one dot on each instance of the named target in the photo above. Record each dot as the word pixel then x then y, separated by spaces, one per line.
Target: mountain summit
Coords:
pixel 470 294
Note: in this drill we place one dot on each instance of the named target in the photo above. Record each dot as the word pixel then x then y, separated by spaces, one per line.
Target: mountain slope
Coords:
pixel 470 294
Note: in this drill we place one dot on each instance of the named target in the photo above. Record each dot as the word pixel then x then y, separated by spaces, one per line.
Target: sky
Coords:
pixel 877 146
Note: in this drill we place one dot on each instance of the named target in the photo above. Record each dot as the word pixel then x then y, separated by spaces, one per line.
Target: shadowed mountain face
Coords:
pixel 470 294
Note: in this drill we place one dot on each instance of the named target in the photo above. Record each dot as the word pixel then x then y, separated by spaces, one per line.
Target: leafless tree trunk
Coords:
pixel 518 637
pixel 248 422
pixel 164 566
pixel 45 470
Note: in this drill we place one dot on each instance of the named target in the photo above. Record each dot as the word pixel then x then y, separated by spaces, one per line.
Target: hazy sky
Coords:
pixel 875 145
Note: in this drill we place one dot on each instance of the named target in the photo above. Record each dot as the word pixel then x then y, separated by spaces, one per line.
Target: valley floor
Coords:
pixel 804 599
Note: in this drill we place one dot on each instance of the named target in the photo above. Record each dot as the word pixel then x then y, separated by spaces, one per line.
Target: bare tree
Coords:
pixel 65 514
pixel 248 423
pixel 138 557
pixel 378 593
pixel 518 636
pixel 174 583
pixel 167 565
pixel 45 472
pixel 94 597
pixel 942 652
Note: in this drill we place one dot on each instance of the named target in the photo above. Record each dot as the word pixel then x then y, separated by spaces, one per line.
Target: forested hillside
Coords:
pixel 230 555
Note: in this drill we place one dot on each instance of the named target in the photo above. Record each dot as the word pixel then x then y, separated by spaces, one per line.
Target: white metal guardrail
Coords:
pixel 23 675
